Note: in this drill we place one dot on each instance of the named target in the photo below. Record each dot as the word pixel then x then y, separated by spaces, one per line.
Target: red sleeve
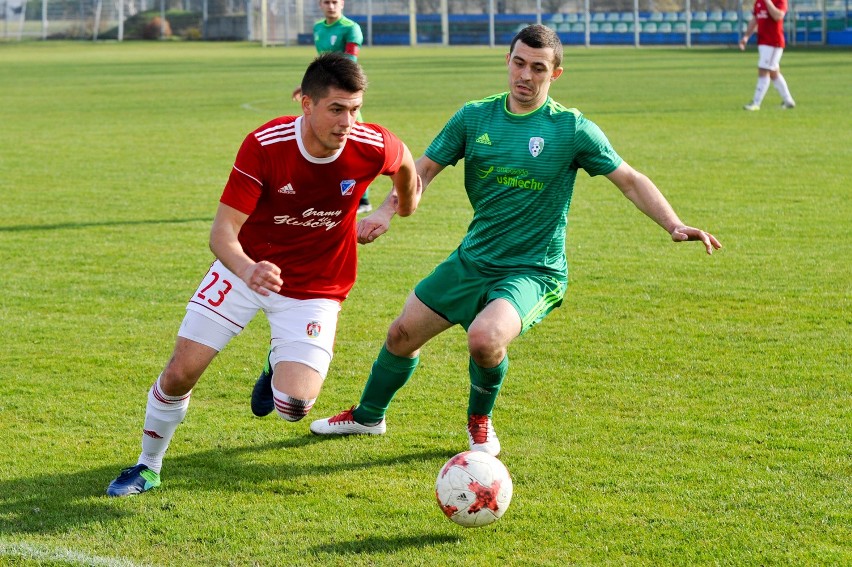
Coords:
pixel 244 184
pixel 352 49
pixel 393 152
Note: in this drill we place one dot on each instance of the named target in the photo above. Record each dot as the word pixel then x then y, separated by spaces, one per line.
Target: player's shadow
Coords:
pixel 381 544
pixel 90 224
pixel 55 503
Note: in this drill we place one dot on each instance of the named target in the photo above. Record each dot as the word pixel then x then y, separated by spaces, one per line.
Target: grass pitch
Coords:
pixel 678 409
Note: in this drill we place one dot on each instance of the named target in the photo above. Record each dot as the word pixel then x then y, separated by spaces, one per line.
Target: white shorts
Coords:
pixel 303 330
pixel 769 57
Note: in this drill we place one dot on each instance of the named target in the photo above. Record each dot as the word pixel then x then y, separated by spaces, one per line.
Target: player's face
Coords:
pixel 332 9
pixel 329 120
pixel 531 70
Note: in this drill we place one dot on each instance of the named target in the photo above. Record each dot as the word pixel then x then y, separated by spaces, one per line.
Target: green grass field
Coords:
pixel 678 409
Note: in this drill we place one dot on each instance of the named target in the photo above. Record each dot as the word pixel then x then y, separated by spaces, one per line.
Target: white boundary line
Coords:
pixel 36 552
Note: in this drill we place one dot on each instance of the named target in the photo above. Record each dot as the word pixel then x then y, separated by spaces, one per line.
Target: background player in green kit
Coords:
pixel 337 33
pixel 522 151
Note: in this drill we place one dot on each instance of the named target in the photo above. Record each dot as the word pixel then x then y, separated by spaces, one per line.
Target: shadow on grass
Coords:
pixel 378 544
pixel 73 225
pixel 59 502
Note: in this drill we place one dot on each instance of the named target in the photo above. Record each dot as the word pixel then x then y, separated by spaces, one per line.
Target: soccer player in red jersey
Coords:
pixel 285 237
pixel 768 19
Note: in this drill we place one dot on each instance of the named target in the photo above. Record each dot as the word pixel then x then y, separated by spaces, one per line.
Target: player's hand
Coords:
pixel 684 233
pixel 371 227
pixel 742 44
pixel 263 277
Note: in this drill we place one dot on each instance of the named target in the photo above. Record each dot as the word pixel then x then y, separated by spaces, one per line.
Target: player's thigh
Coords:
pixel 225 299
pixel 455 290
pixel 415 326
pixel 769 57
pixel 303 335
pixel 532 296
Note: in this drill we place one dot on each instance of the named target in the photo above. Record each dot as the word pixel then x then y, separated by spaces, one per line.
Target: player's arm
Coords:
pixel 261 277
pixel 752 25
pixel 352 50
pixel 644 194
pixel 775 12
pixel 378 223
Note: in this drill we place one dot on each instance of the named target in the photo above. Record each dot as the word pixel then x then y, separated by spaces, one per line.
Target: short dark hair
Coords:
pixel 538 36
pixel 333 70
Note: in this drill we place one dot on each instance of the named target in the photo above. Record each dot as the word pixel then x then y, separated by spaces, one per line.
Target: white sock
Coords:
pixel 162 416
pixel 760 90
pixel 291 409
pixel 781 87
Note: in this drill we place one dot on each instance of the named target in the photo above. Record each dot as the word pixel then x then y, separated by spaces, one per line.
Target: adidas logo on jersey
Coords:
pixel 484 139
pixel 287 190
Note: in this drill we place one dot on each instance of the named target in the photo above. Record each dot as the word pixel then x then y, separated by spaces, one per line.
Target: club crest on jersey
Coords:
pixel 333 39
pixel 536 145
pixel 347 186
pixel 313 329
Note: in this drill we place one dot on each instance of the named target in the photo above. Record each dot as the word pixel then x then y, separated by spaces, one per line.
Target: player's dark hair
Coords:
pixel 538 36
pixel 333 70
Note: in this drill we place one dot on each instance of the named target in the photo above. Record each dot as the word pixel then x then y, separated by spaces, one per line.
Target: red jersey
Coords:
pixel 769 31
pixel 302 209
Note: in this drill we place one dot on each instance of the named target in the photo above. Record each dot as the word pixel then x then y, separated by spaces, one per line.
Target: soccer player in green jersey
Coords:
pixel 522 150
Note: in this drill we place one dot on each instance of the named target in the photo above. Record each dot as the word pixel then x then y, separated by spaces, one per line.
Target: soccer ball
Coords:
pixel 473 489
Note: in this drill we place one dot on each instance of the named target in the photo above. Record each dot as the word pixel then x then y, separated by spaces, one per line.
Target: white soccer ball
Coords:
pixel 473 489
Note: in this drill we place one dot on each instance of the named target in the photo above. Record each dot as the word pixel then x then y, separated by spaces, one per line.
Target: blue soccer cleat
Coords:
pixel 262 402
pixel 134 480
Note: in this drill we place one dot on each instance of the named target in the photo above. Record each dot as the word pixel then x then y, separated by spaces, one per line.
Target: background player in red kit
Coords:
pixel 768 19
pixel 285 238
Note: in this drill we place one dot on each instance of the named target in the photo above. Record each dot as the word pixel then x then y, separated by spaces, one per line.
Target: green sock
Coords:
pixel 484 386
pixel 389 374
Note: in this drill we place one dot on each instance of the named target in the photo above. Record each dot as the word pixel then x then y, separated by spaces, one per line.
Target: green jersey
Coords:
pixel 336 36
pixel 519 177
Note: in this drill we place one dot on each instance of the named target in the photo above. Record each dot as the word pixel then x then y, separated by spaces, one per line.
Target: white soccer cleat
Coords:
pixel 344 424
pixel 788 104
pixel 751 107
pixel 480 433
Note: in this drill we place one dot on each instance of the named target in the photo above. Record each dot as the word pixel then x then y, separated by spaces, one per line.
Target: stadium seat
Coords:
pixel 606 27
pixel 665 27
pixel 613 17
pixel 670 16
pixel 649 27
pixel 598 17
pixel 593 27
pixel 656 17
pixel 578 27
pixel 731 15
pixel 563 27
pixel 620 27
pixel 557 18
pixel 699 16
pixel 709 27
pixel 626 16
pixel 679 27
pixel 716 16
pixel 726 27
pixel 572 17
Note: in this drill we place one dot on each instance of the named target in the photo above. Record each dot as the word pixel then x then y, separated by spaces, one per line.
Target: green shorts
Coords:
pixel 458 292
